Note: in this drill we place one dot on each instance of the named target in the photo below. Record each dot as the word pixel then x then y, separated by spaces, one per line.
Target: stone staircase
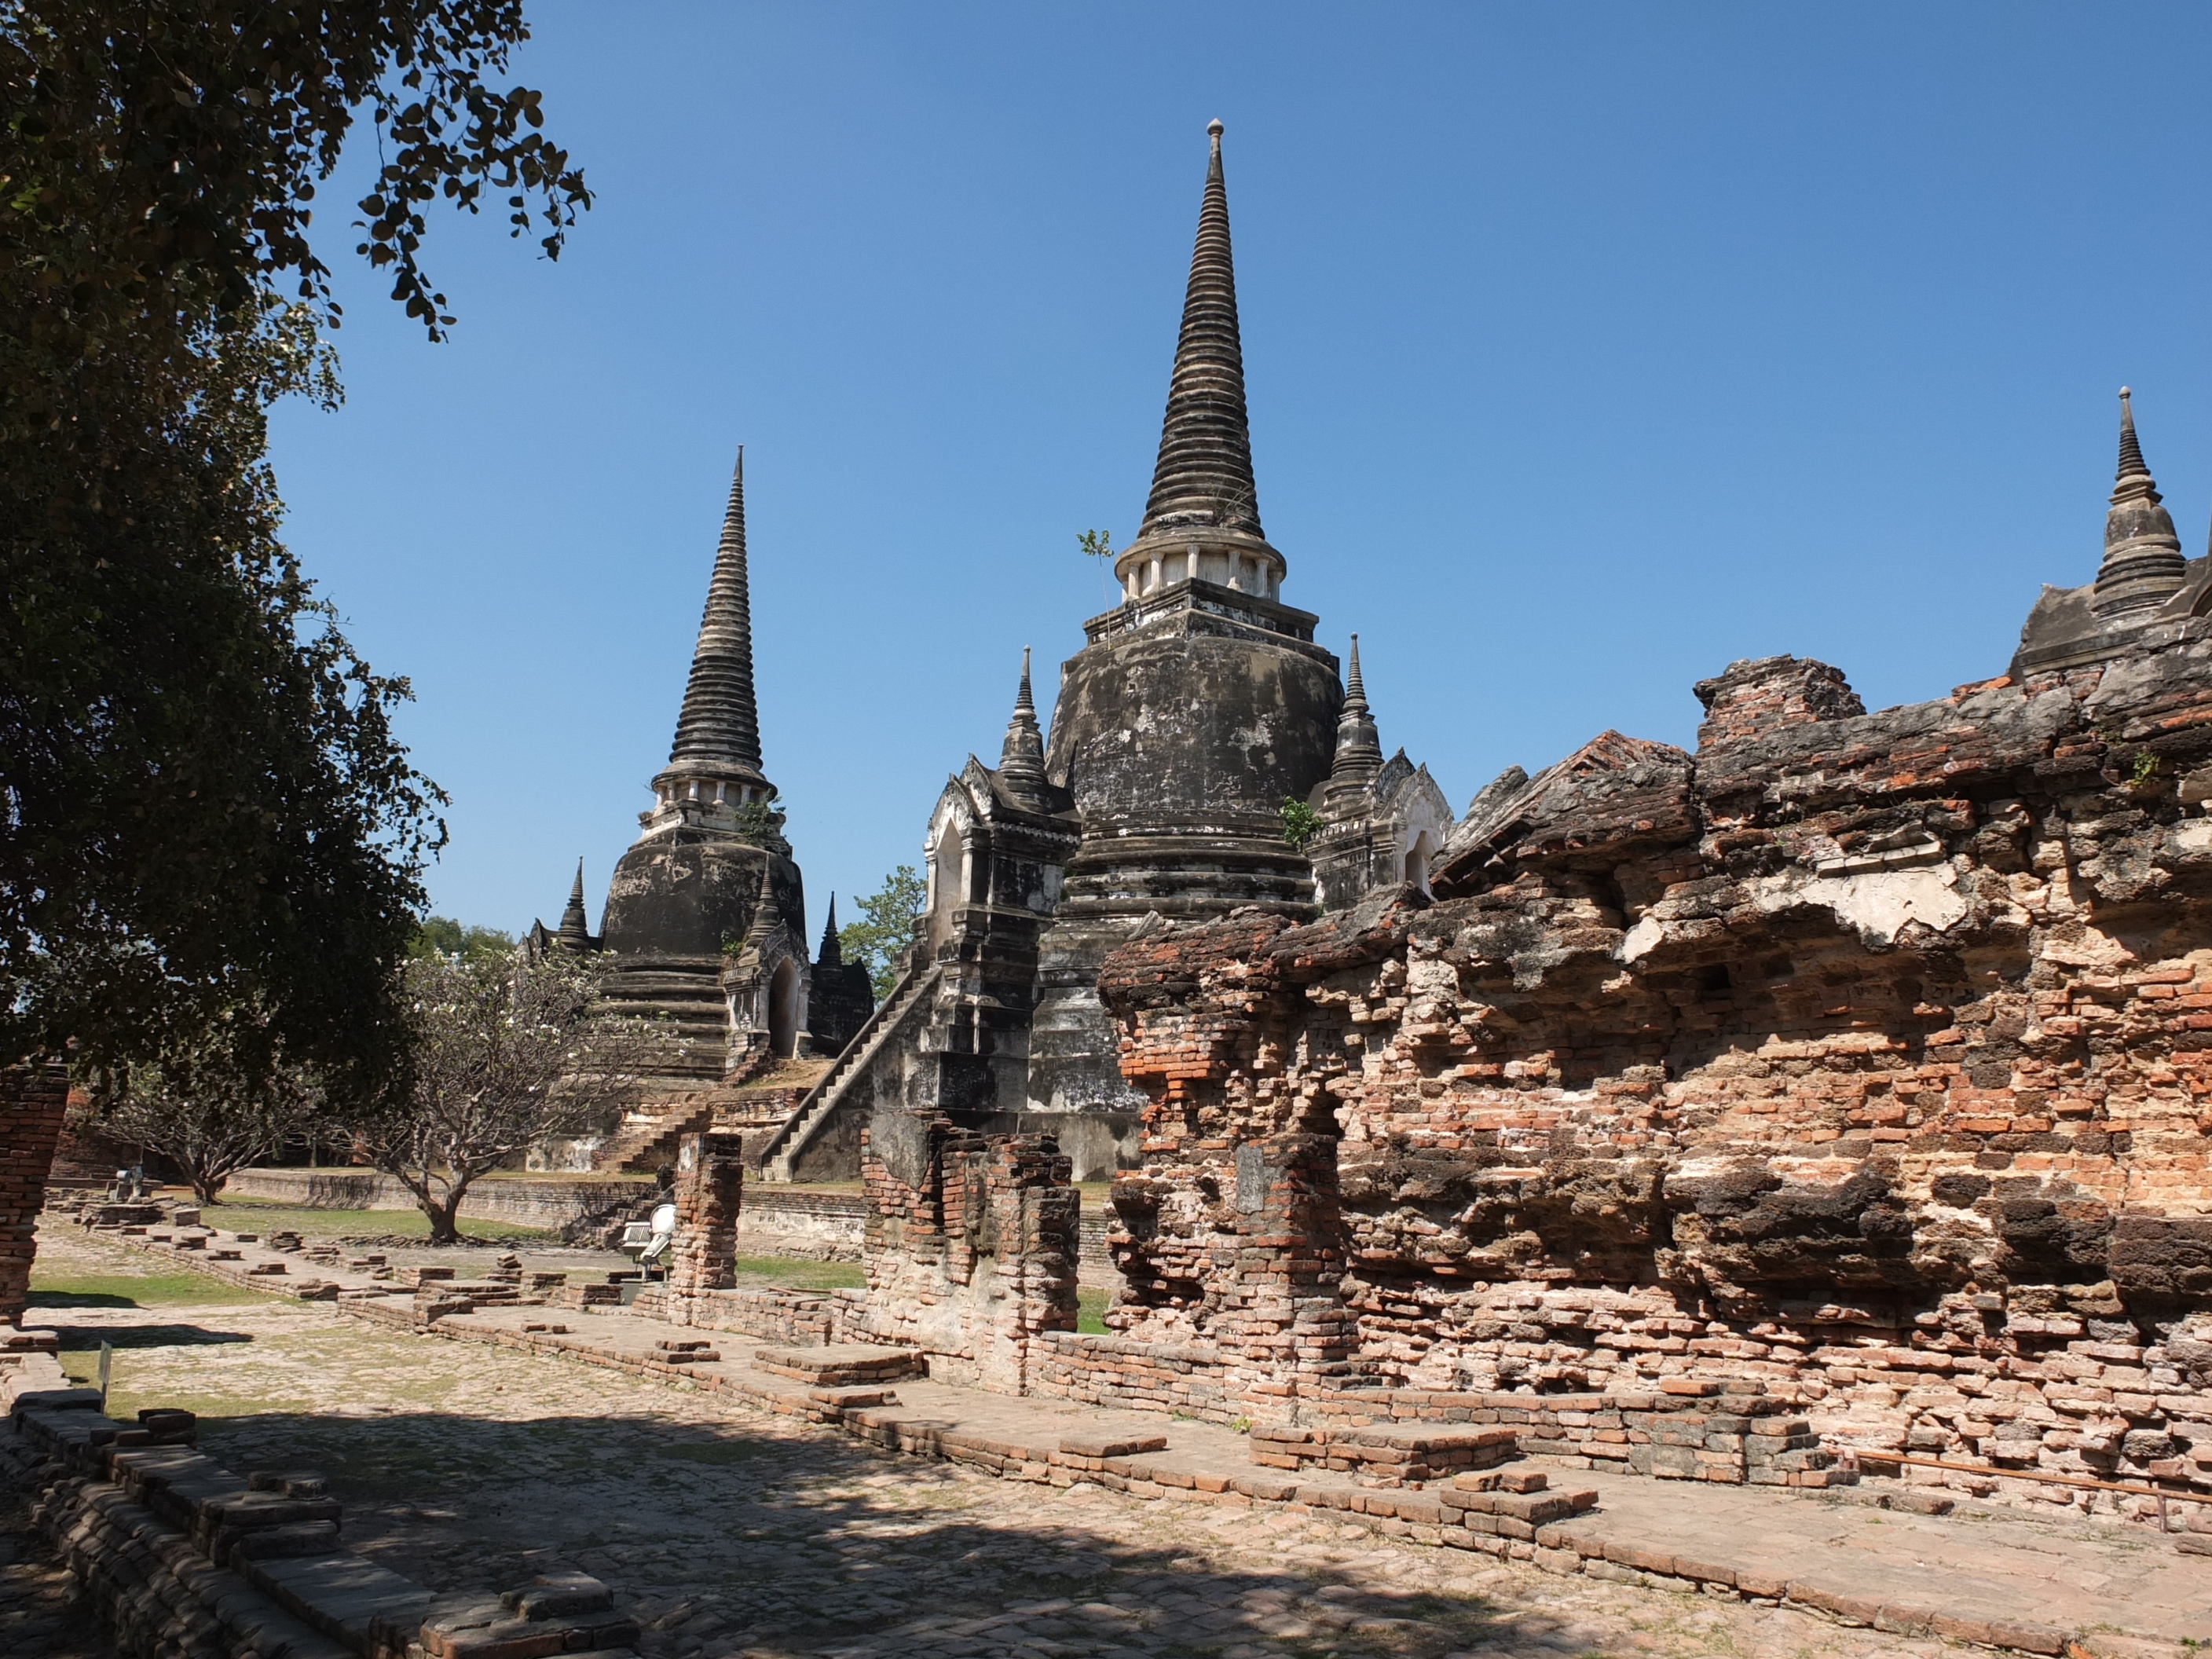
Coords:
pixel 647 1137
pixel 780 1154
pixel 649 1133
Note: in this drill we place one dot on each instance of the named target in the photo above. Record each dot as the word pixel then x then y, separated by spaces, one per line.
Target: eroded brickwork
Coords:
pixel 710 1183
pixel 32 1100
pixel 1864 1056
pixel 971 1248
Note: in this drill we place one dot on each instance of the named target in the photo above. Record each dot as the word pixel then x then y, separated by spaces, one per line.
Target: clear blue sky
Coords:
pixel 1588 346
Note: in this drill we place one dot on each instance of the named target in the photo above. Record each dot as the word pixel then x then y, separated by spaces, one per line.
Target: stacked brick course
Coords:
pixel 1867 1058
pixel 971 1250
pixel 710 1178
pixel 32 1100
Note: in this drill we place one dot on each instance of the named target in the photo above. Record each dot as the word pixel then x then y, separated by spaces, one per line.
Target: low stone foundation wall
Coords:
pixel 185 1560
pixel 798 1317
pixel 776 1220
pixel 548 1204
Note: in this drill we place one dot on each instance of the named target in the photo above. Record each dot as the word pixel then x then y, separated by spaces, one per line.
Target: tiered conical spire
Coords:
pixel 2142 564
pixel 1204 473
pixel 768 914
pixel 832 953
pixel 1358 745
pixel 1021 758
pixel 575 930
pixel 718 729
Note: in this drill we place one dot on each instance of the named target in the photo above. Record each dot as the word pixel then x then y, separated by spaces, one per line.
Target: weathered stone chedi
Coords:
pixel 1868 1054
pixel 1197 707
pixel 706 914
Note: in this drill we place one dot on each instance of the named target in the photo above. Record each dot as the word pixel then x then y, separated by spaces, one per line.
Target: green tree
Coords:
pixel 202 806
pixel 211 1105
pixel 443 936
pixel 880 938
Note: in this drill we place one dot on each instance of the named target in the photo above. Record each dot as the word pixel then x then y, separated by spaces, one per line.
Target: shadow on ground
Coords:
pixel 148 1336
pixel 728 1537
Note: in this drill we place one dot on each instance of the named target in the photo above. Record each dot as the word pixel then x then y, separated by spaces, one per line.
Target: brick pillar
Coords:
pixel 1284 1314
pixel 710 1180
pixel 31 1101
pixel 1034 1239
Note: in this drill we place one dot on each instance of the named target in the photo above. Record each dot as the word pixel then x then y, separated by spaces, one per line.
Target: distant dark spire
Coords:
pixel 1204 473
pixel 1359 747
pixel 832 953
pixel 575 927
pixel 719 726
pixel 2142 564
pixel 1021 760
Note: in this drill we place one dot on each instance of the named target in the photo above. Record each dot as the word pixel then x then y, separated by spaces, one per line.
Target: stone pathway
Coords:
pixel 738 1533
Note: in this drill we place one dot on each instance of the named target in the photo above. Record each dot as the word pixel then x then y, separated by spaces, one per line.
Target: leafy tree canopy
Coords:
pixel 880 938
pixel 211 1105
pixel 442 936
pixel 202 805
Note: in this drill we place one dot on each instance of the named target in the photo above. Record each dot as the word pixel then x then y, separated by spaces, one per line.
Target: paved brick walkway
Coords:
pixel 740 1532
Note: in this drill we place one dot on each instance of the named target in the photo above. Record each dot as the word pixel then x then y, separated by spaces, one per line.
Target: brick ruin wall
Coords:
pixel 33 1102
pixel 971 1248
pixel 1857 1063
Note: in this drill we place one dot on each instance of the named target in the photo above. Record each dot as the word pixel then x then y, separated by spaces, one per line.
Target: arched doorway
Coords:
pixel 783 1008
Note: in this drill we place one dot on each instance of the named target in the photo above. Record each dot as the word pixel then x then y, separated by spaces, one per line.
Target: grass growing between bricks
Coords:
pixel 798 1273
pixel 63 1286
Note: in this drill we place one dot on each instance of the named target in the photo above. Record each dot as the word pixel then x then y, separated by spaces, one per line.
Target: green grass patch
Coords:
pixel 153 1290
pixel 264 1215
pixel 1090 1311
pixel 794 1273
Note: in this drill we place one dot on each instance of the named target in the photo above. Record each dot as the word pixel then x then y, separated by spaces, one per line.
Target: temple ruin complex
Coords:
pixel 1827 1103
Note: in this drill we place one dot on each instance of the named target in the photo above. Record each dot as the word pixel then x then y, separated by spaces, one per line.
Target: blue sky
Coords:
pixel 1588 348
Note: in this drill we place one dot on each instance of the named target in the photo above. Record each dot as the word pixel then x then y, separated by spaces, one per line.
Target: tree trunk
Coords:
pixel 205 1188
pixel 444 1219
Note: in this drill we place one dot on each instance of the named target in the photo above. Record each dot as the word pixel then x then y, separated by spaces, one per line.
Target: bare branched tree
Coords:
pixel 210 1105
pixel 505 1054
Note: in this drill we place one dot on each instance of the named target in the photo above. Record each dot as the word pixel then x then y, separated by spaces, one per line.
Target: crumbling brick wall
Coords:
pixel 971 1248
pixel 1863 1056
pixel 32 1100
pixel 708 1196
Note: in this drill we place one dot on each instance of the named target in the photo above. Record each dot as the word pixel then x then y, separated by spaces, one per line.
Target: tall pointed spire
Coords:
pixel 1358 745
pixel 2142 565
pixel 1021 758
pixel 575 927
pixel 719 730
pixel 832 953
pixel 1204 473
